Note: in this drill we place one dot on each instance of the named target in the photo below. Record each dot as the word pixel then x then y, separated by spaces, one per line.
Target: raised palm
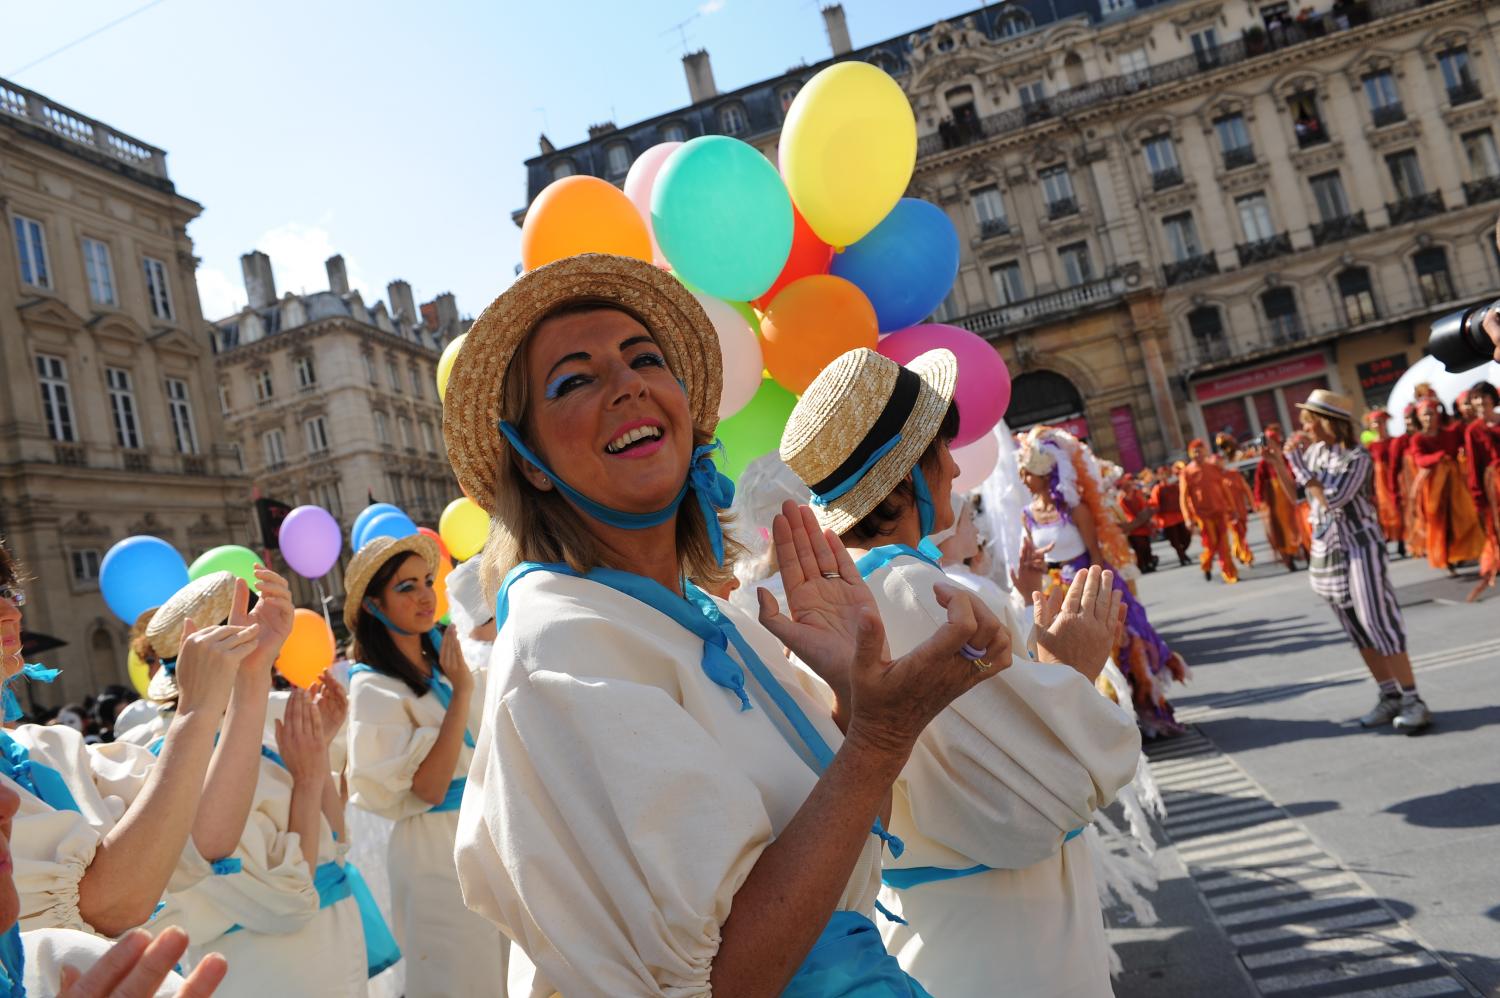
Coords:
pixel 828 603
pixel 273 612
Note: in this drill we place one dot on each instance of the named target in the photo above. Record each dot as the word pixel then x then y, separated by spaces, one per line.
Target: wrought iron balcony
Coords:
pixel 137 460
pixel 1078 298
pixel 1169 177
pixel 1465 92
pixel 1036 110
pixel 1062 207
pixel 1191 268
pixel 1417 206
pixel 194 464
pixel 1239 156
pixel 1331 230
pixel 1264 249
pixel 1211 349
pixel 989 228
pixel 1481 190
pixel 72 455
pixel 1388 114
pixel 1285 329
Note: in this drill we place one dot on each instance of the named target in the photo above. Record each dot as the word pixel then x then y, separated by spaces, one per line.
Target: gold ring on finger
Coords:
pixel 983 665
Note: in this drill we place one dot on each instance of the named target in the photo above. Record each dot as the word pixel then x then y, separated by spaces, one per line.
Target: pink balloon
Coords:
pixel 740 349
pixel 975 462
pixel 983 390
pixel 638 184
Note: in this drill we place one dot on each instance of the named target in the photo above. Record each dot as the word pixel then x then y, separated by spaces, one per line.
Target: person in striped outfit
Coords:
pixel 1348 565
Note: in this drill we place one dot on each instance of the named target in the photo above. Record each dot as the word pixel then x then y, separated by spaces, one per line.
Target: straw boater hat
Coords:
pixel 369 559
pixel 855 408
pixel 207 601
pixel 1326 403
pixel 471 404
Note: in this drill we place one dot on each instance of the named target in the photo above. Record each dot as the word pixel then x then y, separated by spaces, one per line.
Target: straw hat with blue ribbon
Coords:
pixel 369 559
pixel 207 601
pixel 861 427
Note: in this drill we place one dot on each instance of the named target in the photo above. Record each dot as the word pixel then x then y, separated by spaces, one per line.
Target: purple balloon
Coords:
pixel 310 541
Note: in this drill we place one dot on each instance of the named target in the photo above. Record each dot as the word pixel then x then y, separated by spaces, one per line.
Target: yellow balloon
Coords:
pixel 445 363
pixel 463 527
pixel 848 148
pixel 140 674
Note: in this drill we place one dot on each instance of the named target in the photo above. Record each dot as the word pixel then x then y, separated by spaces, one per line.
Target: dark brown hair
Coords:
pixel 373 644
pixel 881 520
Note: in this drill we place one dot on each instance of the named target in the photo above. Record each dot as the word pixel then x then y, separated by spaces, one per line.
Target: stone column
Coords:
pixel 1161 391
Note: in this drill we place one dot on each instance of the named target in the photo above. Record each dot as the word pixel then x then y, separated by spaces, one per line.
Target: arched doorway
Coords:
pixel 1045 397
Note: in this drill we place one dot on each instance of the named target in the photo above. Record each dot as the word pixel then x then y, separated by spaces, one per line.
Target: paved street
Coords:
pixel 1301 854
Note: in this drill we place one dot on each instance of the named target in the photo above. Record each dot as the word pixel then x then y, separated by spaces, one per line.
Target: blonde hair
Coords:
pixel 531 524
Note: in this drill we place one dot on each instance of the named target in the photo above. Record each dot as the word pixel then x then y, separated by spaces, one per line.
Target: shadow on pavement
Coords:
pixel 1263 694
pixel 1461 807
pixel 1252 639
pixel 1238 734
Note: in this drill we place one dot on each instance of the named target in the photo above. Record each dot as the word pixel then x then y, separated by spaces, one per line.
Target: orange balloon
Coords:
pixel 440 585
pixel 308 649
pixel 810 323
pixel 581 214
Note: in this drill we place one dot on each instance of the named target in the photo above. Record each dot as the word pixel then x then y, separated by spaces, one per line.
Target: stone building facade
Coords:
pixel 1175 217
pixel 107 425
pixel 333 402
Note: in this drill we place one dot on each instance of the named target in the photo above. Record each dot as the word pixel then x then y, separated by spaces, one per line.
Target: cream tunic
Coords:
pixel 285 943
pixel 51 849
pixel 998 780
pixel 48 951
pixel 619 798
pixel 447 950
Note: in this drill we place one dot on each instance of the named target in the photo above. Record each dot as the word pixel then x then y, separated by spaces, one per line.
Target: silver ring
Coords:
pixel 971 653
pixel 833 575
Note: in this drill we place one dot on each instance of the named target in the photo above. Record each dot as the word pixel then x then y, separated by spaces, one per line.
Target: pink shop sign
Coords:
pixel 1241 382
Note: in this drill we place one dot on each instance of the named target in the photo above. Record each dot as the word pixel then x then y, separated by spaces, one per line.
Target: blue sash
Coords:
pixel 849 958
pixel 41 781
pixel 381 950
pixel 12 964
pixel 439 687
pixel 873 561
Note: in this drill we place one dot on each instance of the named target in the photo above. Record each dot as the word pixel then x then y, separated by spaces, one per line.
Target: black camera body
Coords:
pixel 1459 341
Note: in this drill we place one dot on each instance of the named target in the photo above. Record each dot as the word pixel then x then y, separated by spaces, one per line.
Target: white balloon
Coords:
pixel 740 348
pixel 1447 386
pixel 975 462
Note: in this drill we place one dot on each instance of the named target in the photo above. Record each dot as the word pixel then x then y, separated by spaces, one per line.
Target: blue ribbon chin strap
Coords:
pixel 36 673
pixel 12 964
pixel 714 492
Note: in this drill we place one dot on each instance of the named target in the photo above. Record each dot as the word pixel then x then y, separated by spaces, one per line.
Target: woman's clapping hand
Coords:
pixel 1081 628
pixel 208 663
pixel 136 966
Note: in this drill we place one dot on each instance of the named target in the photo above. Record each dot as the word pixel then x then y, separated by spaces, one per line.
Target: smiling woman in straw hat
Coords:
pixel 1347 566
pixel 1013 769
pixel 413 708
pixel 659 802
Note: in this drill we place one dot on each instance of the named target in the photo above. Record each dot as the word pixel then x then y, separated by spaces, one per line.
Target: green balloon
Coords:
pixel 722 217
pixel 232 558
pixel 755 429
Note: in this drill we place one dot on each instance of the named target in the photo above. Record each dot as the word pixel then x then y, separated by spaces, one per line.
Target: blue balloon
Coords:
pixel 139 573
pixel 905 266
pixel 370 512
pixel 388 524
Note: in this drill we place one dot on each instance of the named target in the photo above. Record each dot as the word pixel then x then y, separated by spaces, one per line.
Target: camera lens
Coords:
pixel 1459 341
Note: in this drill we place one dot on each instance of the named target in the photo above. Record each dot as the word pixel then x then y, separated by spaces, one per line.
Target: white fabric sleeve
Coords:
pixel 48 951
pixel 606 831
pixel 1013 765
pixel 386 747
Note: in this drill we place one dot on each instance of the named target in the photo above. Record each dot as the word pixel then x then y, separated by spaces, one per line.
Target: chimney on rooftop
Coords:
pixel 260 285
pixel 338 275
pixel 402 303
pixel 700 76
pixel 447 312
pixel 838 31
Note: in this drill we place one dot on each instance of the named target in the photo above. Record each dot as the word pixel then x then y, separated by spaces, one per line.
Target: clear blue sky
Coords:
pixel 393 132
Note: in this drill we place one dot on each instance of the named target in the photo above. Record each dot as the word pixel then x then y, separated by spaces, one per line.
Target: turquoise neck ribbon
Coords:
pixel 714 492
pixel 37 673
pixel 41 781
pixel 700 615
pixel 12 964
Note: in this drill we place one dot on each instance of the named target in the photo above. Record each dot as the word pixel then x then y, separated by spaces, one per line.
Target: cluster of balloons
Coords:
pixel 794 263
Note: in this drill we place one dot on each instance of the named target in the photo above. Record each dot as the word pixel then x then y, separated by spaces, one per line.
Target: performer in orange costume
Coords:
pixel 1166 497
pixel 1279 507
pixel 1482 442
pixel 1387 492
pixel 1445 507
pixel 1241 500
pixel 1401 476
pixel 1206 505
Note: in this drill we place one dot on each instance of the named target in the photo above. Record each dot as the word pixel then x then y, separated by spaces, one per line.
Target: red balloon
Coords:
pixel 810 255
pixel 442 548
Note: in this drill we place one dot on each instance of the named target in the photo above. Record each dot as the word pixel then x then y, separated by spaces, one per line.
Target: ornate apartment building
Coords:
pixel 1176 217
pixel 333 402
pixel 107 428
